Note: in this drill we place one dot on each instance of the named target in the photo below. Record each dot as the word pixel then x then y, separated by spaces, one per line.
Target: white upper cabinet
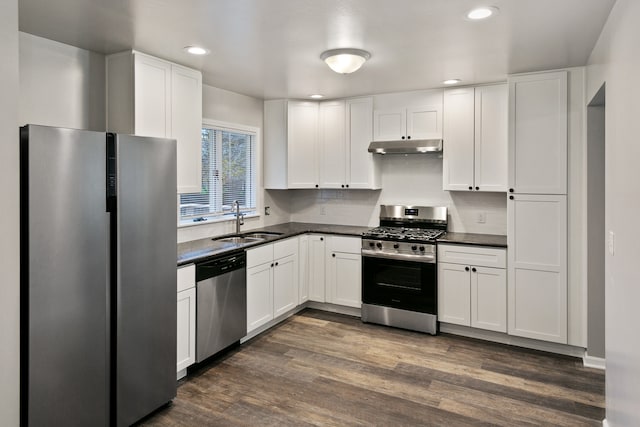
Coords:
pixel 302 137
pixel 475 139
pixel 319 145
pixel 408 115
pixel 332 145
pixel 538 133
pixel 148 96
pixel 364 167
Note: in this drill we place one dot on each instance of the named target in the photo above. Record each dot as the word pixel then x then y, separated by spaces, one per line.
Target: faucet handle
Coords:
pixel 242 219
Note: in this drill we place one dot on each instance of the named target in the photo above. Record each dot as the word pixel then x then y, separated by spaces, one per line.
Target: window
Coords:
pixel 228 174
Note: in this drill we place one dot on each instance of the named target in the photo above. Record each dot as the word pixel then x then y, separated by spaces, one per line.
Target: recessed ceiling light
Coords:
pixel 451 81
pixel 316 96
pixel 196 50
pixel 483 12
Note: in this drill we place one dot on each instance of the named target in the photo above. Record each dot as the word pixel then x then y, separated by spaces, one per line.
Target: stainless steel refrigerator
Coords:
pixel 98 276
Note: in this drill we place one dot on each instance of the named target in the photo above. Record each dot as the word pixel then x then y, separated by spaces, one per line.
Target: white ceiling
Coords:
pixel 271 48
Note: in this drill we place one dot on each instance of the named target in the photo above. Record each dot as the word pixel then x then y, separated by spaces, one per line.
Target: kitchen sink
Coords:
pixel 262 235
pixel 239 240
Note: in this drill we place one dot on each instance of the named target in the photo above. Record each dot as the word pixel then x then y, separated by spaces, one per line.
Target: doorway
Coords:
pixel 596 225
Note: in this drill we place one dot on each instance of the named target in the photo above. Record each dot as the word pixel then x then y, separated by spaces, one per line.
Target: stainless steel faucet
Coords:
pixel 239 217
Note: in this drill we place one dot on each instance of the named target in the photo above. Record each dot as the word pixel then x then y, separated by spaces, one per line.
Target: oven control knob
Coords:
pixel 371 244
pixel 414 248
pixel 421 248
pixel 379 245
pixel 396 246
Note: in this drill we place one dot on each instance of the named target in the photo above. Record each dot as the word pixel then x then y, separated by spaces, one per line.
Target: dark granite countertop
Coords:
pixel 494 240
pixel 204 249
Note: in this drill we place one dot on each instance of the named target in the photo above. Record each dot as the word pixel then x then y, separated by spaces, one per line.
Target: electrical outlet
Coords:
pixel 267 210
pixel 612 243
pixel 323 210
pixel 481 218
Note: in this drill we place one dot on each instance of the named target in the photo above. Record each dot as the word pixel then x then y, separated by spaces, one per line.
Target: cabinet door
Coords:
pixel 285 284
pixel 363 168
pixel 303 278
pixel 316 268
pixel 186 126
pixel 186 331
pixel 489 298
pixel 302 136
pixel 344 279
pixel 491 130
pixel 332 144
pixel 259 295
pixel 424 122
pixel 537 267
pixel 538 133
pixel 389 125
pixel 458 144
pixel 152 86
pixel 454 294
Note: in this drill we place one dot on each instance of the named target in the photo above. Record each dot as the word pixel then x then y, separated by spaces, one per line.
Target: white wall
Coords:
pixel 230 107
pixel 616 61
pixel 61 85
pixel 9 221
pixel 406 179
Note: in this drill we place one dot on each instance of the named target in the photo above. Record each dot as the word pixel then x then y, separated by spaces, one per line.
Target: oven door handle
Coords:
pixel 427 259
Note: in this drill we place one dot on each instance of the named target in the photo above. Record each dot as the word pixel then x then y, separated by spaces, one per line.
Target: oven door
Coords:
pixel 407 285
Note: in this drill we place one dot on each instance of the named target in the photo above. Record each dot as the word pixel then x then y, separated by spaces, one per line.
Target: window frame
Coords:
pixel 248 213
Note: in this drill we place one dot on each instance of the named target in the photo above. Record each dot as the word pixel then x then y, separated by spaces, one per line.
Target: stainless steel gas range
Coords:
pixel 399 274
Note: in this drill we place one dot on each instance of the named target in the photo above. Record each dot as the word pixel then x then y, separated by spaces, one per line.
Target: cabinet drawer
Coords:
pixel 259 255
pixel 352 245
pixel 473 255
pixel 285 248
pixel 186 277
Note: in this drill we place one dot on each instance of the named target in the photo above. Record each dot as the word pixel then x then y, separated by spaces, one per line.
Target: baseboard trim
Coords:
pixel 333 308
pixel 503 338
pixel 593 362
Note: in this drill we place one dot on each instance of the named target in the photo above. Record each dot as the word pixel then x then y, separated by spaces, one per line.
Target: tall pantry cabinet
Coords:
pixel 148 96
pixel 537 207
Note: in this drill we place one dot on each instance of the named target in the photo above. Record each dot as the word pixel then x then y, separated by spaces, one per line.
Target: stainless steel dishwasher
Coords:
pixel 221 303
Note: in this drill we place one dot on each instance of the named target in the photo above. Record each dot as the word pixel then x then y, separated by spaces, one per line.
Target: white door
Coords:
pixel 458 140
pixel 538 133
pixel 491 142
pixel 363 168
pixel 424 122
pixel 259 295
pixel 186 126
pixel 489 298
pixel 152 86
pixel 454 294
pixel 285 284
pixel 186 329
pixel 303 262
pixel 389 125
pixel 344 279
pixel 537 267
pixel 302 137
pixel 332 147
pixel 317 268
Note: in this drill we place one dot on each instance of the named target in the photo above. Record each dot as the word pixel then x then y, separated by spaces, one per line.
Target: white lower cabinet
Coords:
pixel 303 263
pixel 344 271
pixel 472 286
pixel 186 319
pixel 272 281
pixel 316 268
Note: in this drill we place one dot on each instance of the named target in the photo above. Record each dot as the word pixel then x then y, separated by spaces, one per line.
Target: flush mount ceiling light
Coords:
pixel 452 81
pixel 345 61
pixel 316 96
pixel 196 50
pixel 483 12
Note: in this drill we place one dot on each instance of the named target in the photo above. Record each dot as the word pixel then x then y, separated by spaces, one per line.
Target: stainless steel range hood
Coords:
pixel 416 146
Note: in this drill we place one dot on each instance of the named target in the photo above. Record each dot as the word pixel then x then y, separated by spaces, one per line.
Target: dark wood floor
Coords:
pixel 325 369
